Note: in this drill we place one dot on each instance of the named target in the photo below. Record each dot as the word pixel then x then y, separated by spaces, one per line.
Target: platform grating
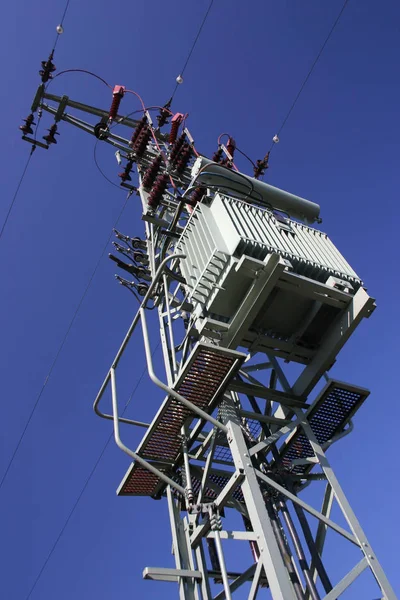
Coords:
pixel 140 482
pixel 205 377
pixel 328 416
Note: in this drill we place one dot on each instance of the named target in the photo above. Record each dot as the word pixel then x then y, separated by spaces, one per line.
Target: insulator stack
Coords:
pixel 50 139
pixel 176 148
pixel 196 196
pixel 162 117
pixel 125 175
pixel 261 166
pixel 142 123
pixel 175 123
pixel 118 94
pixel 27 128
pixel 151 173
pixel 141 142
pixel 217 155
pixel 158 190
pixel 183 159
pixel 231 146
pixel 48 68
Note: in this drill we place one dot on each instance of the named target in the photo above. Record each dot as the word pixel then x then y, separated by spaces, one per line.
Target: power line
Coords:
pixel 85 485
pixel 17 190
pixel 194 44
pixel 53 364
pixel 34 146
pixel 312 68
pixel 61 23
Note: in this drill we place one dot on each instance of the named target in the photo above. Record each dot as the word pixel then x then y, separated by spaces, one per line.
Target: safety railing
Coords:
pixel 111 378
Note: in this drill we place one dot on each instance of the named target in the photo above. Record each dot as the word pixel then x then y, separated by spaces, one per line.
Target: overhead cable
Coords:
pixel 53 364
pixel 309 73
pixel 16 191
pixel 179 79
pixel 60 29
pixel 85 485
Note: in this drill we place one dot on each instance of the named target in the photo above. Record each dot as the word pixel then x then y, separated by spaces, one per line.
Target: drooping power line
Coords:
pixel 314 64
pixel 85 485
pixel 61 346
pixel 21 179
pixel 189 56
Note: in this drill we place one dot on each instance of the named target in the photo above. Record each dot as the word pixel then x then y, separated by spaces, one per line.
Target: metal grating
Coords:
pixel 221 453
pixel 328 416
pixel 204 379
pixel 140 482
pixel 219 480
pixel 252 428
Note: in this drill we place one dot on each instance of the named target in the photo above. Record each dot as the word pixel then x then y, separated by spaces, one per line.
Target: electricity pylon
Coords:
pixel 244 287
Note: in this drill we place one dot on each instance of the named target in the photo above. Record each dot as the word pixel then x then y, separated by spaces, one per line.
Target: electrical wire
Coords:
pixel 53 364
pixel 21 179
pixel 193 45
pixel 61 23
pixel 245 155
pixel 311 69
pixel 79 71
pixel 85 485
pixel 102 172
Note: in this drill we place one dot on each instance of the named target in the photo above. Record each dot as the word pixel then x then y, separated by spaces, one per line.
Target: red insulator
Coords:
pixel 118 94
pixel 176 121
pixel 217 155
pixel 261 166
pixel 139 127
pixel 48 67
pixel 164 113
pixel 142 141
pixel 50 139
pixel 27 128
pixel 125 175
pixel 196 196
pixel 183 159
pixel 231 146
pixel 176 148
pixel 151 173
pixel 157 192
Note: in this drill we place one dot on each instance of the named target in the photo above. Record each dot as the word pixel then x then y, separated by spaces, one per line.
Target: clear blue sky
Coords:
pixel 339 148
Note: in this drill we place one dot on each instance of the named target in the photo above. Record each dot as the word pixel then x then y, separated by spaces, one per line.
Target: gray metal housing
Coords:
pixel 207 172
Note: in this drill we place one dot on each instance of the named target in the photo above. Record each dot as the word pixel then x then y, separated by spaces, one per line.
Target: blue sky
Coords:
pixel 339 148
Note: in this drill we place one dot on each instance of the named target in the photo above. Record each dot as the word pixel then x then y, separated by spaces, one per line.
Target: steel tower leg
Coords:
pixel 370 558
pixel 277 574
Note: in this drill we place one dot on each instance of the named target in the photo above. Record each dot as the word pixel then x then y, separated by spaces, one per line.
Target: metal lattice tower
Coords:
pixel 243 287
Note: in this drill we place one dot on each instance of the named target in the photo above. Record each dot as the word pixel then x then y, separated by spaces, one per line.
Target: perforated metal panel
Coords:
pixel 204 379
pixel 140 482
pixel 331 412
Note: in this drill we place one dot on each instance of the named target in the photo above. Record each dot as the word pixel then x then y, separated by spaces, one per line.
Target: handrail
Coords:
pixel 129 452
pixel 170 391
pixel 125 342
